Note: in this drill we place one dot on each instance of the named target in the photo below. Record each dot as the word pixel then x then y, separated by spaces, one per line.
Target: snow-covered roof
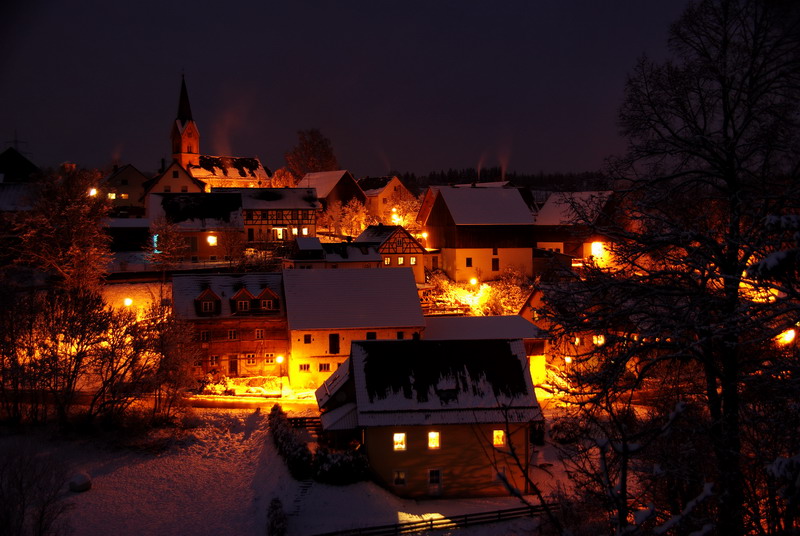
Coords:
pixel 496 184
pixel 560 207
pixel 274 198
pixel 229 166
pixel 342 299
pixel 440 382
pixel 374 185
pixel 308 243
pixel 486 206
pixel 197 211
pixel 378 234
pixel 350 252
pixel 187 288
pixel 323 181
pixel 480 327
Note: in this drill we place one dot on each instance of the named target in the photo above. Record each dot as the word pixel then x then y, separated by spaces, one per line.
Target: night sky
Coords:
pixel 529 85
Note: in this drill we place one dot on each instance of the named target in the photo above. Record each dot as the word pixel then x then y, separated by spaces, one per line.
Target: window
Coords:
pixel 232 335
pixel 243 305
pixel 399 478
pixel 251 359
pixel 295 231
pixel 324 367
pixel 399 441
pixel 494 251
pixel 495 265
pixel 123 196
pixel 112 195
pixel 412 261
pixel 434 477
pixel 267 304
pixel 307 338
pixel 401 335
pixel 269 359
pixel 401 261
pixel 259 334
pixel 184 189
pixel 498 438
pixel 599 340
pixel 213 360
pixel 387 261
pixel 433 440
pixel 305 367
pixel 167 189
pixel 175 174
pixel 333 343
pixel 207 306
pixel 371 335
pixel 204 336
pixel 469 262
pixel 305 231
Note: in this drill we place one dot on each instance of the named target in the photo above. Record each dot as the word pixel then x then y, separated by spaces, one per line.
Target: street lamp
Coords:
pixel 279 359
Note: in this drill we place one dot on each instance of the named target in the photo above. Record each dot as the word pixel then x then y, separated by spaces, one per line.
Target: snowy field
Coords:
pixel 219 476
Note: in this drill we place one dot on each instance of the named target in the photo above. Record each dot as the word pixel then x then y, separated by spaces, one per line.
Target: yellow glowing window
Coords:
pixel 599 340
pixel 295 231
pixel 123 196
pixel 498 438
pixel 787 337
pixel 433 440
pixel 577 341
pixel 212 240
pixel 400 261
pixel 112 195
pixel 598 249
pixel 305 231
pixel 400 441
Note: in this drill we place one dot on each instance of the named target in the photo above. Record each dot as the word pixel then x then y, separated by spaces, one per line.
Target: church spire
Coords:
pixel 184 109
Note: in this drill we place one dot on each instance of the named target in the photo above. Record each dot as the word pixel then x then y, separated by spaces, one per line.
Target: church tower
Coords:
pixel 185 136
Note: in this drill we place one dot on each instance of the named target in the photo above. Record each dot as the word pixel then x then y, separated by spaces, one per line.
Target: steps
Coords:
pixel 297 504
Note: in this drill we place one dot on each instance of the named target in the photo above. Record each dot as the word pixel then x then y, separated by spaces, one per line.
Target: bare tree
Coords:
pixel 312 153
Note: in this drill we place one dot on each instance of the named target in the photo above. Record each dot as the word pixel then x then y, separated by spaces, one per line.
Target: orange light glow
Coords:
pixel 212 240
pixel 498 438
pixel 598 249
pixel 279 359
pixel 92 192
pixel 473 281
pixel 399 441
pixel 433 440
pixel 787 337
pixel 567 359
pixel 128 302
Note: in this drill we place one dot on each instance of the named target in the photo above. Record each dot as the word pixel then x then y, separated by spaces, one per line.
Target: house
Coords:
pixel 437 418
pixel 309 253
pixel 561 225
pixel 273 215
pixel 479 232
pixel 214 171
pixel 508 327
pixel 239 322
pixel 396 246
pixel 329 309
pixel 16 168
pixel 125 189
pixel 211 224
pixel 174 179
pixel 383 194
pixel 333 187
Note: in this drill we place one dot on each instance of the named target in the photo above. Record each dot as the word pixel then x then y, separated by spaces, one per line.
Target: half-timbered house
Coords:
pixel 397 248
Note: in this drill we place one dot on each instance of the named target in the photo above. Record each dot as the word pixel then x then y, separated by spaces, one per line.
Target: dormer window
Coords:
pixel 267 305
pixel 243 305
pixel 207 306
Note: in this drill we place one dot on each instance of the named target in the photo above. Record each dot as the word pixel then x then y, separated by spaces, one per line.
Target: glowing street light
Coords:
pixel 787 337
pixel 128 302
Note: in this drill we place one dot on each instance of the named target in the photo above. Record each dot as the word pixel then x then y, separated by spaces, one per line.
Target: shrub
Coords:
pixel 340 467
pixel 293 450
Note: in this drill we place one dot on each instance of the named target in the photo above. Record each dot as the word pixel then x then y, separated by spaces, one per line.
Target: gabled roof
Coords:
pixel 486 206
pixel 323 181
pixel 374 185
pixel 128 170
pixel 15 167
pixel 480 327
pixel 436 382
pixel 197 210
pixel 562 208
pixel 380 234
pixel 275 198
pixel 350 252
pixel 342 299
pixel 151 183
pixel 233 167
pixel 187 288
pixel 308 243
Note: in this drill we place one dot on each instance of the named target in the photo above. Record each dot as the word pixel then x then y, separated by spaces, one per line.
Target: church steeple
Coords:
pixel 185 135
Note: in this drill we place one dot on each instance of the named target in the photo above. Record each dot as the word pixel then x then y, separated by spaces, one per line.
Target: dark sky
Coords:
pixel 409 85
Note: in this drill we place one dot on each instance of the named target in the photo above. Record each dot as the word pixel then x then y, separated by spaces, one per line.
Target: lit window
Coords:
pixel 324 367
pixel 599 340
pixel 412 261
pixel 123 196
pixel 433 440
pixel 112 195
pixel 251 359
pixel 295 231
pixel 243 305
pixel 387 261
pixel 212 240
pixel 305 231
pixel 400 261
pixel 232 335
pixel 400 441
pixel 787 337
pixel 577 341
pixel 498 438
pixel 305 367
pixel 92 192
pixel 598 249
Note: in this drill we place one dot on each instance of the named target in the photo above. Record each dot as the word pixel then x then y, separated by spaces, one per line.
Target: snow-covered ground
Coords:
pixel 218 477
